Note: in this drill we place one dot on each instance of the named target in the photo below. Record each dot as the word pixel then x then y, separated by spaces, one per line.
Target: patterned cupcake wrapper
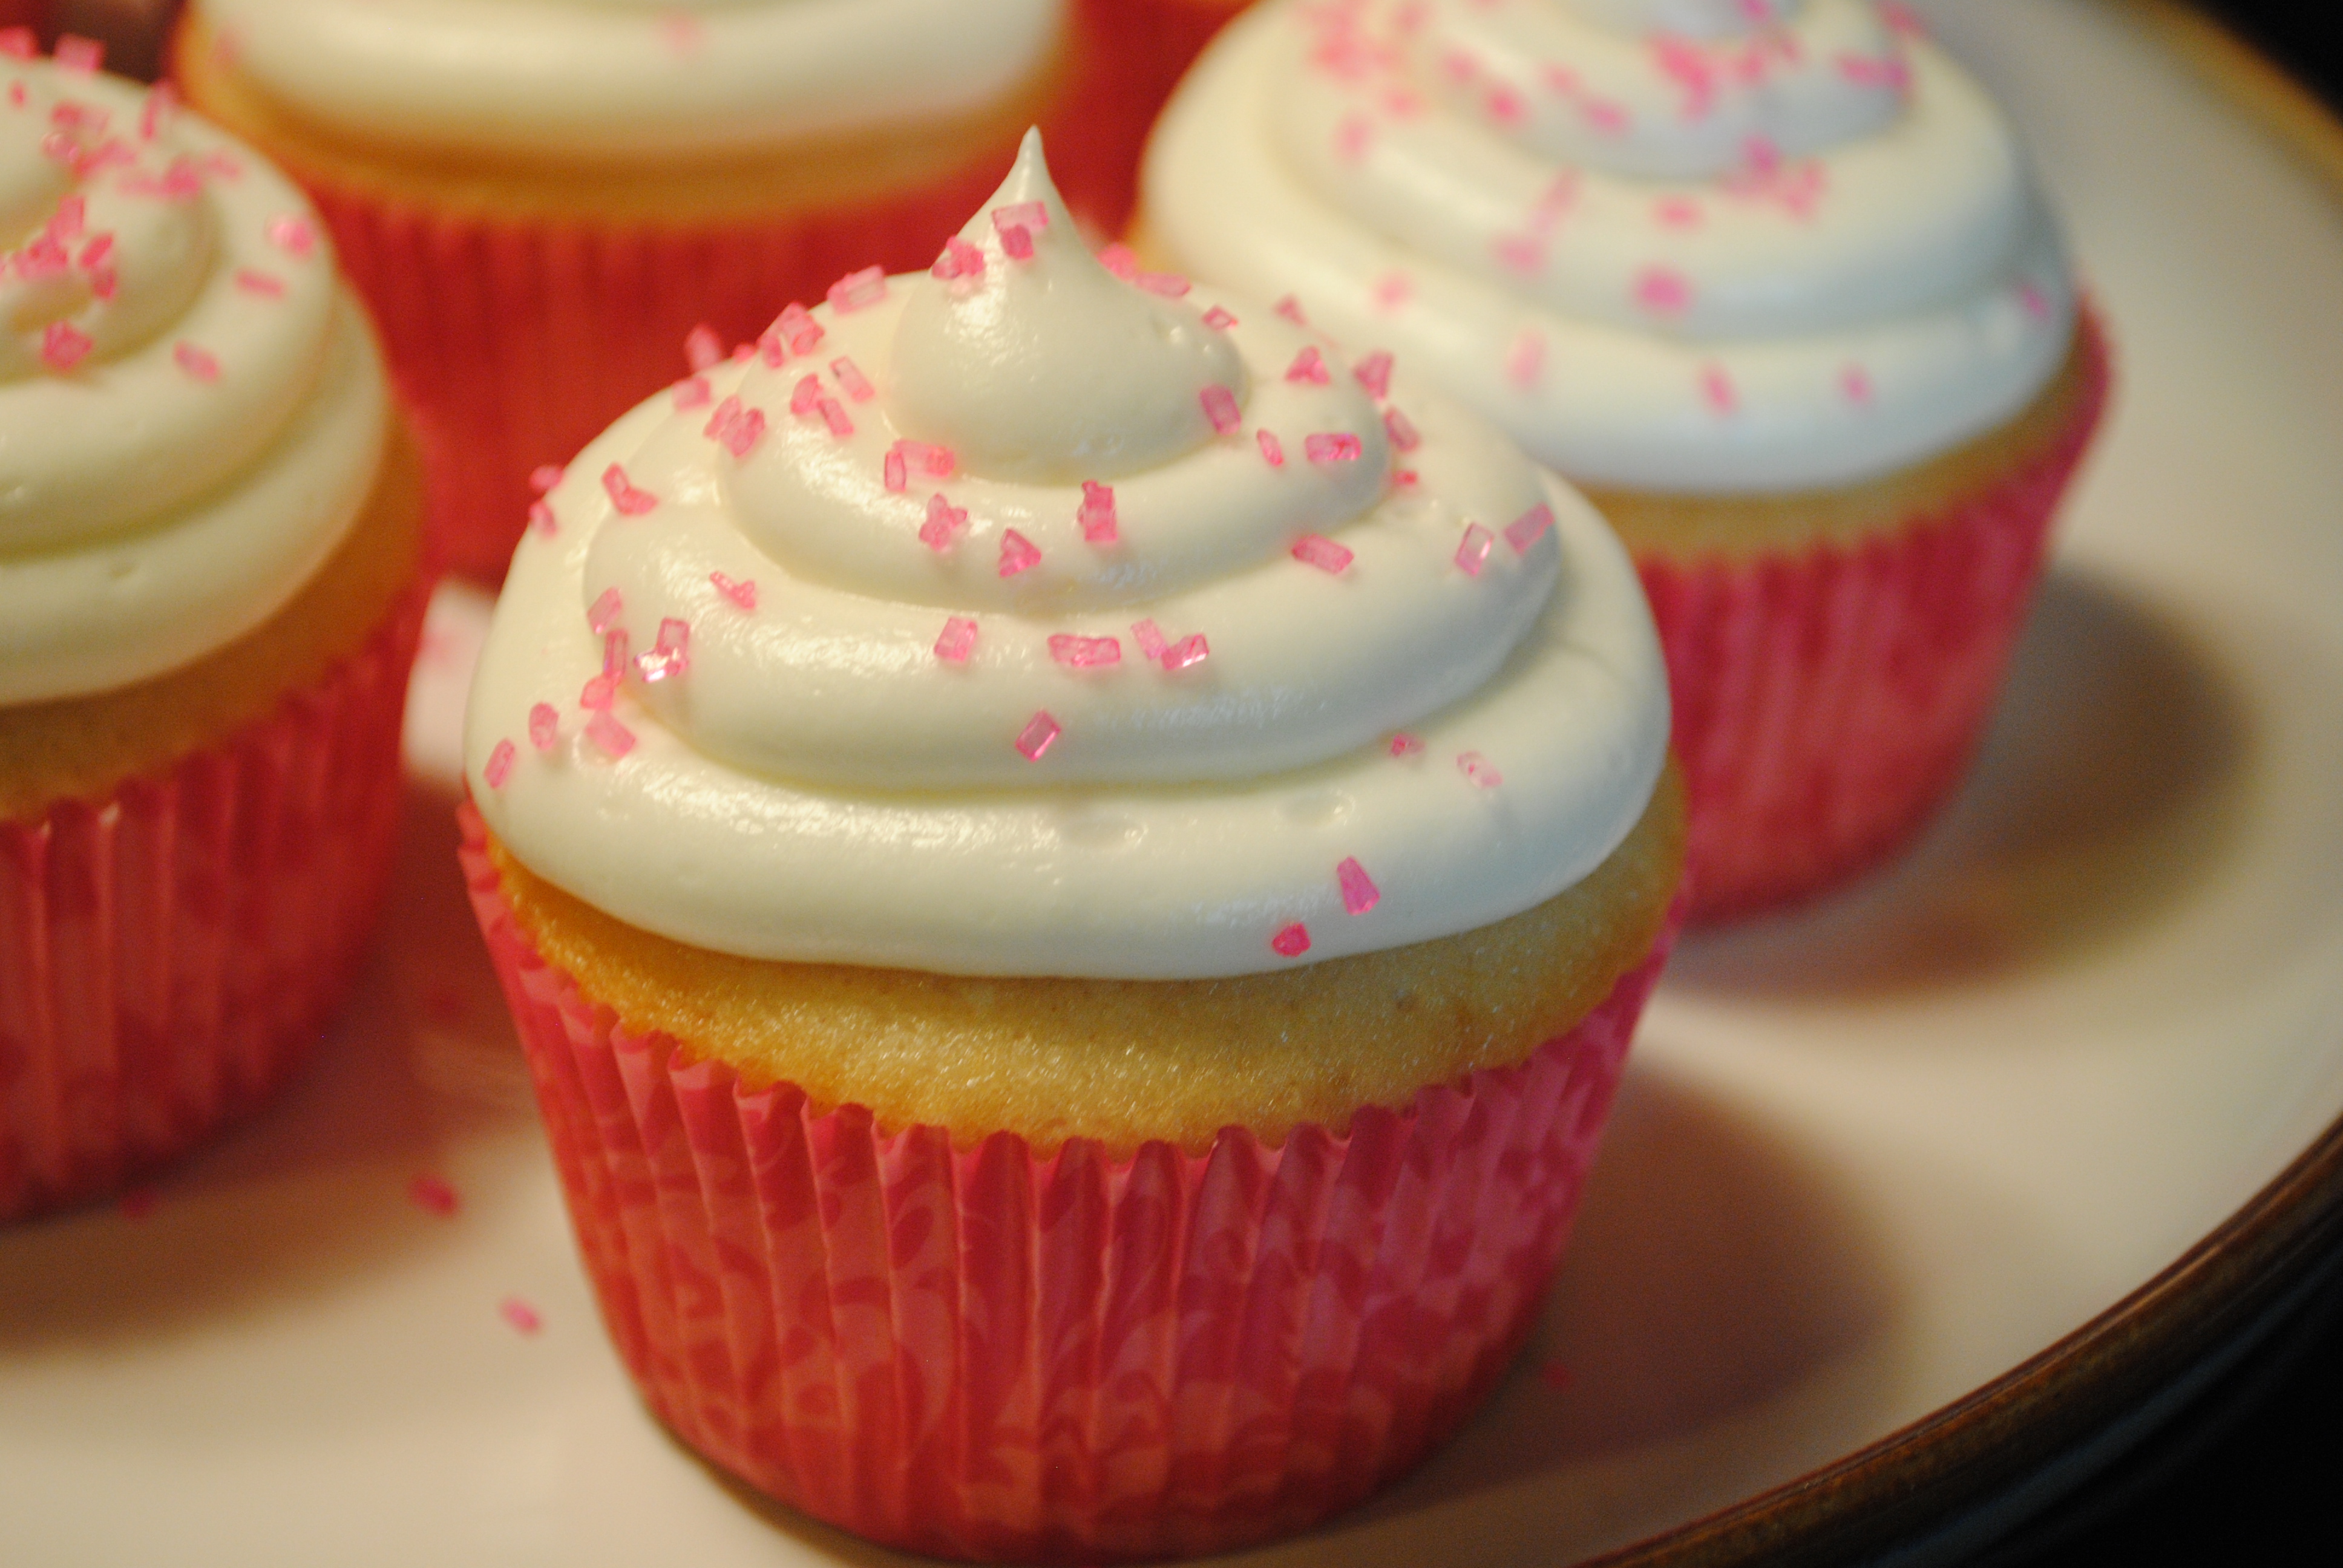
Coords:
pixel 168 952
pixel 994 1354
pixel 1827 704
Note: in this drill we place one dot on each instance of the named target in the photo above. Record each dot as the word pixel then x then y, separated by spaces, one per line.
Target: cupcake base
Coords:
pixel 998 1352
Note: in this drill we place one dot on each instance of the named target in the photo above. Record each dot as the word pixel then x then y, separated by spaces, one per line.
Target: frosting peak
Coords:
pixel 1051 369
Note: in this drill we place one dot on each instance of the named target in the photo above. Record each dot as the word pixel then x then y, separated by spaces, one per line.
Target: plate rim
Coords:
pixel 1889 1491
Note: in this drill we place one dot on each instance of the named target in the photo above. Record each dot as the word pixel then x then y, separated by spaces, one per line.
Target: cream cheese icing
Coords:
pixel 192 411
pixel 1031 618
pixel 1693 246
pixel 632 79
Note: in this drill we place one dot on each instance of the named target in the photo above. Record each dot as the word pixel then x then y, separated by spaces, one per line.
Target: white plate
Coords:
pixel 1869 1161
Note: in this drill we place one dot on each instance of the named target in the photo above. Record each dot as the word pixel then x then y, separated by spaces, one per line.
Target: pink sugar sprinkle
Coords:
pixel 1291 942
pixel 1291 308
pixel 671 656
pixel 1150 638
pixel 2036 303
pixel 703 347
pixel 541 519
pixel 1716 390
pixel 1473 550
pixel 1522 253
pixel 1169 284
pixel 833 414
pixel 693 392
pixel 856 291
pixel 630 501
pixel 1189 651
pixel 1392 290
pixel 434 1195
pixel 1676 212
pixel 604 612
pixel 199 363
pixel 742 592
pixel 1856 382
pixel 252 280
pixel 64 346
pixel 1359 893
pixel 1308 366
pixel 1351 137
pixel 138 1203
pixel 1017 242
pixel 805 395
pixel 1405 479
pixel 98 250
pixel 613 739
pixel 934 458
pixel 959 259
pixel 499 766
pixel 1030 216
pixel 1219 320
pixel 1529 528
pixel 1475 766
pixel 519 1314
pixel 1526 358
pixel 599 693
pixel 1331 447
pixel 894 473
pixel 1085 652
pixel 1221 409
pixel 1402 431
pixel 1317 550
pixel 850 378
pixel 796 328
pixel 735 428
pixel 544 476
pixel 1018 553
pixel 1272 450
pixel 1608 118
pixel 1120 260
pixel 18 44
pixel 1663 291
pixel 957 640
pixel 292 234
pixel 1405 745
pixel 1040 733
pixel 544 726
pixel 1096 515
pixel 74 53
pixel 615 646
pixel 943 525
pixel 1901 18
pixel 1374 374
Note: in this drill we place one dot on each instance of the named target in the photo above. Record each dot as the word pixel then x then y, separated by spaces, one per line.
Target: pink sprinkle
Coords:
pixel 252 280
pixel 541 519
pixel 1040 733
pixel 1317 550
pixel 856 291
pixel 1359 893
pixel 1529 528
pixel 957 640
pixel 199 363
pixel 630 501
pixel 1291 942
pixel 1663 291
pixel 519 1314
pixel 499 768
pixel 1291 308
pixel 1030 216
pixel 614 739
pixel 1308 366
pixel 1272 450
pixel 1472 551
pixel 1120 260
pixel 1402 431
pixel 805 395
pixel 1607 118
pixel 1219 320
pixel 1475 766
pixel 735 428
pixel 1374 374
pixel 1526 358
pixel 1899 17
pixel 1405 745
pixel 833 414
pixel 1522 253
pixel 849 377
pixel 1392 290
pixel 1331 447
pixel 934 458
pixel 433 1195
pixel 600 693
pixel 2036 303
pixel 1150 638
pixel 1856 382
pixel 63 345
pixel 18 44
pixel 1221 409
pixel 1169 284
pixel 544 476
pixel 893 472
pixel 693 392
pixel 702 348
pixel 1190 650
pixel 1096 515
pixel 943 525
pixel 1017 242
pixel 1350 137
pixel 615 646
pixel 671 656
pixel 959 259
pixel 1017 553
pixel 684 33
pixel 1716 390
pixel 796 328
pixel 74 53
pixel 1676 212
pixel 292 234
pixel 740 592
pixel 139 1201
pixel 544 726
pixel 604 612
pixel 1085 652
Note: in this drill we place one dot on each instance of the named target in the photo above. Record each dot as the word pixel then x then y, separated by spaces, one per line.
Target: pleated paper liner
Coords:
pixel 169 953
pixel 987 1351
pixel 1828 703
pixel 1139 49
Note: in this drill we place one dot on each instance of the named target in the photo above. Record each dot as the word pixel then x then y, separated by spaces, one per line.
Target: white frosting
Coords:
pixel 1666 245
pixel 191 411
pixel 821 784
pixel 633 78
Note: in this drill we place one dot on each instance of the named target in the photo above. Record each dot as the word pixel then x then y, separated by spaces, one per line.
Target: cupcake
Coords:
pixel 1075 883
pixel 539 199
pixel 211 535
pixel 1772 282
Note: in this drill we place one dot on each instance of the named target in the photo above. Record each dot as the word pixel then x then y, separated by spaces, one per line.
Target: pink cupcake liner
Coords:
pixel 1828 704
pixel 985 1352
pixel 1140 50
pixel 169 952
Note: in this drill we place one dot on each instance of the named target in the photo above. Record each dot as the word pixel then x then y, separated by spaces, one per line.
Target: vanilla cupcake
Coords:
pixel 541 198
pixel 1771 281
pixel 1076 885
pixel 209 593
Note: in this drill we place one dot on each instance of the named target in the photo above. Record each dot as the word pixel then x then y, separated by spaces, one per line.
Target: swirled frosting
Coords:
pixel 191 410
pixel 1693 245
pixel 1031 618
pixel 632 78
